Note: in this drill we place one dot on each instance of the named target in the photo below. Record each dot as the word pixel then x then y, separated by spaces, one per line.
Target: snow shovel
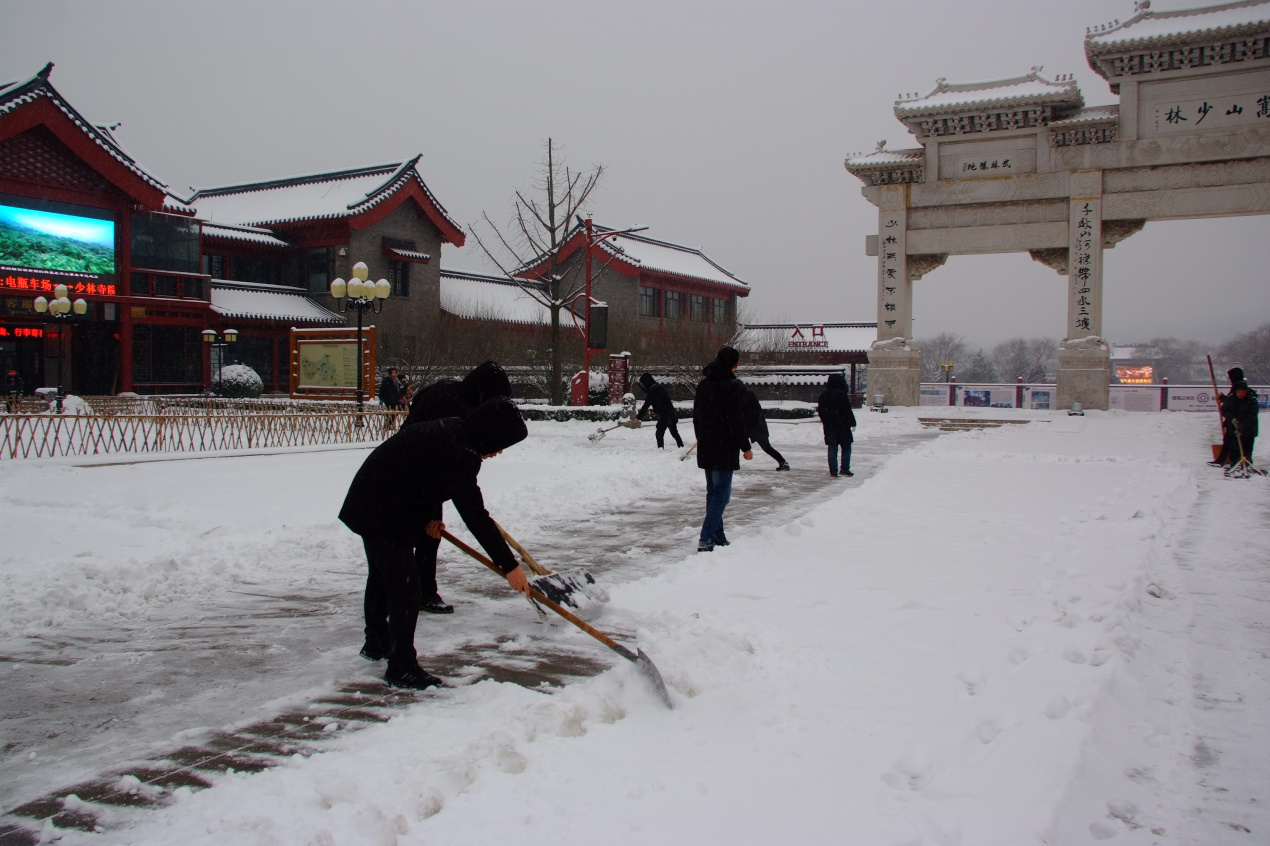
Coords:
pixel 598 435
pixel 1221 421
pixel 638 658
pixel 684 457
pixel 576 587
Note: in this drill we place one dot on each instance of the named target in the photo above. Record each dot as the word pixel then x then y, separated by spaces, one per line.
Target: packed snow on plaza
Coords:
pixel 991 637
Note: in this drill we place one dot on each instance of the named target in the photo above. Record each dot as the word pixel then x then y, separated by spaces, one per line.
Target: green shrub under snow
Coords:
pixel 237 381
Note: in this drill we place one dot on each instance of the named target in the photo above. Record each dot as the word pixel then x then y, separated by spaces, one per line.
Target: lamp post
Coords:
pixel 362 295
pixel 220 341
pixel 60 308
pixel 947 368
pixel 591 240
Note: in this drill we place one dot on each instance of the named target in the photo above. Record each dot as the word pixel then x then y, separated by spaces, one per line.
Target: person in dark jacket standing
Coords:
pixel 390 390
pixel 1242 409
pixel 719 422
pixel 1225 405
pixel 401 484
pixel 837 418
pixel 449 398
pixel 756 428
pixel 656 395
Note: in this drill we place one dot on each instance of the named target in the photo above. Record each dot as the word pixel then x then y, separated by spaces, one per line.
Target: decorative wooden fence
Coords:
pixel 185 430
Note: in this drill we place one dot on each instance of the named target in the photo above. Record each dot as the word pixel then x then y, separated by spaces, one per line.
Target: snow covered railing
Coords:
pixel 53 435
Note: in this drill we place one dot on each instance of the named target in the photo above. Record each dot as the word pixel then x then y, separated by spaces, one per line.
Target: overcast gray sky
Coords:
pixel 721 125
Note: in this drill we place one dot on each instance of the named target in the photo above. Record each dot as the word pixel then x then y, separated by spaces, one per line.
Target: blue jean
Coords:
pixel 833 455
pixel 718 494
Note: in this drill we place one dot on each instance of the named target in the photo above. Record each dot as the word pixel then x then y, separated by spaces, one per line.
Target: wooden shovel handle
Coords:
pixel 524 554
pixel 538 597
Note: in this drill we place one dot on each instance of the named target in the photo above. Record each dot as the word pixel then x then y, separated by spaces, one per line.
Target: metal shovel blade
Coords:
pixel 649 669
pixel 596 436
pixel 575 588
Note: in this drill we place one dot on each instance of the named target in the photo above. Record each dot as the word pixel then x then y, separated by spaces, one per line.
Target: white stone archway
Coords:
pixel 1020 165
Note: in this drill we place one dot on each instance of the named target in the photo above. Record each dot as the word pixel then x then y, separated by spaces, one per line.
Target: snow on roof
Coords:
pixel 1097 114
pixel 313 197
pixel 20 92
pixel 882 157
pixel 1023 90
pixel 811 337
pixel 249 234
pixel 1147 27
pixel 666 257
pixel 476 296
pixel 268 302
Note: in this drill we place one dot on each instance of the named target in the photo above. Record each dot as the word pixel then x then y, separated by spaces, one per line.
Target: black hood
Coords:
pixel 495 425
pixel 837 380
pixel 647 380
pixel 486 381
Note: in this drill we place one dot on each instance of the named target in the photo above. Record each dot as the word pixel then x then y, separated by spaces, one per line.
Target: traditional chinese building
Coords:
pixel 660 295
pixel 1021 165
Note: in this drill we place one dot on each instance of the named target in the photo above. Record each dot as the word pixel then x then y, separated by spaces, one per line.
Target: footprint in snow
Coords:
pixel 973 679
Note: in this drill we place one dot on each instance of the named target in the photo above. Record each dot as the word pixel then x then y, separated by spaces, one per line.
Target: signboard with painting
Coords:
pixel 324 363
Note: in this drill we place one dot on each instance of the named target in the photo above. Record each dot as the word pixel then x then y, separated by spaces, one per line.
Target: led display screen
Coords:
pixel 34 239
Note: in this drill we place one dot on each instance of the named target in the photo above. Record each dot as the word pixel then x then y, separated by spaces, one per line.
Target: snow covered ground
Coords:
pixel 1043 634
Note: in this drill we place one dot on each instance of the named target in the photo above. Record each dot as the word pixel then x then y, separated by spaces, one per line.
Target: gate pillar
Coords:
pixel 1084 358
pixel 895 365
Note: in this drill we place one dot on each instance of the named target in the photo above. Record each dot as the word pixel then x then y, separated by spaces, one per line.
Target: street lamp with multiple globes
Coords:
pixel 593 238
pixel 60 307
pixel 220 340
pixel 363 295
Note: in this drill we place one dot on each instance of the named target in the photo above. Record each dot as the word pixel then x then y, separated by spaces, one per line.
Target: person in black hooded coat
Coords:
pixel 449 398
pixel 390 503
pixel 718 419
pixel 837 419
pixel 656 395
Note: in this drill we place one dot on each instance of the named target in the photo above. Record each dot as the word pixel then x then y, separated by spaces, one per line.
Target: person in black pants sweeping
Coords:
pixel 837 418
pixel 656 395
pixel 401 484
pixel 756 428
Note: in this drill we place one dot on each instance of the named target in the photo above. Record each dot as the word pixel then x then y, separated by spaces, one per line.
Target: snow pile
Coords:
pixel 955 651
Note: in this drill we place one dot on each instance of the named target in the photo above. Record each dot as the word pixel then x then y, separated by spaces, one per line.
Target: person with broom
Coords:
pixel 718 418
pixel 1240 411
pixel 656 395
pixel 391 503
pixel 1229 452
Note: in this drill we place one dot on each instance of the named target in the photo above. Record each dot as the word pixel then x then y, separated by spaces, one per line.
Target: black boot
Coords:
pixel 414 678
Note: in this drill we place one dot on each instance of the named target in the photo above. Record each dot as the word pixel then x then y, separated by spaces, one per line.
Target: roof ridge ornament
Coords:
pixel 881 146
pixel 1142 7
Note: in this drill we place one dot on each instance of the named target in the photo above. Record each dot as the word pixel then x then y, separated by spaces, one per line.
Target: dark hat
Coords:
pixel 486 381
pixel 1240 384
pixel 1236 374
pixel 495 425
pixel 728 357
pixel 646 379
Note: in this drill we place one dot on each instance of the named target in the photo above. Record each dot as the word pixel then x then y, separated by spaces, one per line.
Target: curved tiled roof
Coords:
pixel 886 158
pixel 320 196
pixel 665 257
pixel 949 98
pixel 250 301
pixel 1148 28
pixel 476 296
pixel 249 234
pixel 14 95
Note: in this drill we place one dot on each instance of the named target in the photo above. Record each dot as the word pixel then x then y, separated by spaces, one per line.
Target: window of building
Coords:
pixel 317 270
pixel 720 311
pixel 649 302
pixel 399 278
pixel 214 266
pixel 674 305
pixel 697 309
pixel 165 242
pixel 260 271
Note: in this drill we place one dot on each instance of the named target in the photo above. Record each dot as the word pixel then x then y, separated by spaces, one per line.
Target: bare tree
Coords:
pixel 1250 351
pixel 946 346
pixel 978 368
pixel 1033 359
pixel 535 237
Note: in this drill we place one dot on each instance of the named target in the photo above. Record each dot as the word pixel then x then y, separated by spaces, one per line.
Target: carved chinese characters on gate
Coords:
pixel 1082 270
pixel 1212 113
pixel 889 265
